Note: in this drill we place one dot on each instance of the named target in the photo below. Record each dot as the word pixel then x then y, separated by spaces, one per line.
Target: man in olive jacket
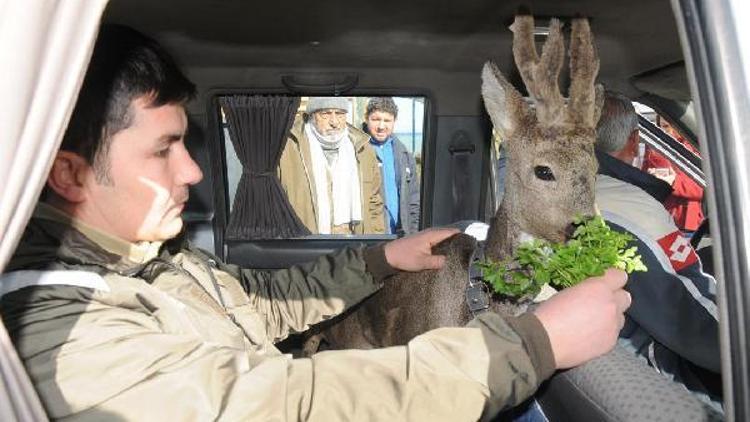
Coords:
pixel 330 173
pixel 117 318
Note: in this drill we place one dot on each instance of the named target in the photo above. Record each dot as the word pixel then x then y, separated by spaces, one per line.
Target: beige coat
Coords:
pixel 295 173
pixel 147 334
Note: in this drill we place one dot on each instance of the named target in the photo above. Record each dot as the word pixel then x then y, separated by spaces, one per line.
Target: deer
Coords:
pixel 550 181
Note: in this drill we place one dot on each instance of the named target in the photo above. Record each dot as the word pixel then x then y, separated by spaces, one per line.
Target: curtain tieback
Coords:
pixel 259 174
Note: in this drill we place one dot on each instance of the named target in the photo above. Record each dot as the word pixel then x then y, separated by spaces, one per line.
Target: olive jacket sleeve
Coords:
pixel 119 364
pixel 121 348
pixel 292 299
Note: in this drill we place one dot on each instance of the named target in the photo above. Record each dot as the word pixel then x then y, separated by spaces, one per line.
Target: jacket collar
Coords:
pixel 610 166
pixel 388 140
pixel 53 236
pixel 139 252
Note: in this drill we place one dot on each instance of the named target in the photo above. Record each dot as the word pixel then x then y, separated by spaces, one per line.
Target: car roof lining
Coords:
pixel 371 37
pixel 668 81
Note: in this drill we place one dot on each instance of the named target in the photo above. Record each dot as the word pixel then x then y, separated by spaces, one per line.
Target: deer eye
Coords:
pixel 544 173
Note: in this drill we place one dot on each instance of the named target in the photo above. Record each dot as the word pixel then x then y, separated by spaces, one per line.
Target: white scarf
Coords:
pixel 328 141
pixel 346 201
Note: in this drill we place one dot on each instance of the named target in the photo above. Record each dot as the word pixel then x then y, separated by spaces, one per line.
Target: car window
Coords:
pixel 678 147
pixel 375 177
pixel 665 153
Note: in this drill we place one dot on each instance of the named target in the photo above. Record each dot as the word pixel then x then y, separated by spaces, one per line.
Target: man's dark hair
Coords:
pixel 383 104
pixel 125 65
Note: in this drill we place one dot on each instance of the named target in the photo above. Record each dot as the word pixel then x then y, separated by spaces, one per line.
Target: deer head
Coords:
pixel 551 165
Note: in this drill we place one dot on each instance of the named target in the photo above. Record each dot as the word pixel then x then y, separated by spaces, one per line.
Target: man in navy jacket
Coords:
pixel 673 322
pixel 397 167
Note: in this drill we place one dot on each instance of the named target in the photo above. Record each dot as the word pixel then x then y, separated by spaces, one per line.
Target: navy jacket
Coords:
pixel 407 181
pixel 673 320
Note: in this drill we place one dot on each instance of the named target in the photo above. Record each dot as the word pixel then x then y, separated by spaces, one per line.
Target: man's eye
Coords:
pixel 163 152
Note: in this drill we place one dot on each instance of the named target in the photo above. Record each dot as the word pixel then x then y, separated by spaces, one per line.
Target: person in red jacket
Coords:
pixel 684 204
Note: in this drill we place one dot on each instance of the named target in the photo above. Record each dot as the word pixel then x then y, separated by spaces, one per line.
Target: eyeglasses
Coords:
pixel 330 114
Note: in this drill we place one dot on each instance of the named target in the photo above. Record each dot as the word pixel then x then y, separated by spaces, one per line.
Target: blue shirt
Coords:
pixel 384 151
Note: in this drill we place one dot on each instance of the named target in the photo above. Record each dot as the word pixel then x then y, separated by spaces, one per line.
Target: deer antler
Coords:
pixel 540 75
pixel 585 100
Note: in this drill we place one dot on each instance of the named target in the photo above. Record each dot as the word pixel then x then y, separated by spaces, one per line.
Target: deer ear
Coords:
pixel 504 104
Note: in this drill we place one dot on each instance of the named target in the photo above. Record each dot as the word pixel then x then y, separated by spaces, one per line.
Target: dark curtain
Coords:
pixel 258 127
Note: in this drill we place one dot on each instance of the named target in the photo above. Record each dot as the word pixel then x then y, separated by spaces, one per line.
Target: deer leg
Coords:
pixel 312 344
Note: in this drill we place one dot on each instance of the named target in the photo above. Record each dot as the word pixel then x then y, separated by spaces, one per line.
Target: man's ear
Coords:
pixel 68 176
pixel 634 140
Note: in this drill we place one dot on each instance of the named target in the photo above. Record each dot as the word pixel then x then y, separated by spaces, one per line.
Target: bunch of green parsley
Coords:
pixel 593 248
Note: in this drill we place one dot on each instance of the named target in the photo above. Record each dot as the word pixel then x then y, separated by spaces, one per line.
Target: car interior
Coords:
pixel 433 52
pixel 425 50
pixel 429 56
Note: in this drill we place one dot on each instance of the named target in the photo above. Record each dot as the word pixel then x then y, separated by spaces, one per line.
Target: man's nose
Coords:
pixel 189 172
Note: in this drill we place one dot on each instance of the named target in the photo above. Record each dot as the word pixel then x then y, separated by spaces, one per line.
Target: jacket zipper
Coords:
pixel 220 305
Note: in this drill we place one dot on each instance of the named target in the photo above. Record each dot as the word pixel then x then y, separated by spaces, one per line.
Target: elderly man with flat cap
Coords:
pixel 330 172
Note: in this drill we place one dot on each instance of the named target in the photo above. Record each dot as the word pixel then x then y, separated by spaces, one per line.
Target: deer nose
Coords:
pixel 570 230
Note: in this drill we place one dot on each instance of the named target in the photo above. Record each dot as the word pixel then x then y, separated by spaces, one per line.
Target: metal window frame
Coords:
pixel 719 79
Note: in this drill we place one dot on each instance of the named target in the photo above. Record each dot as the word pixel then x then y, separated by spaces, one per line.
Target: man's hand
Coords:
pixel 414 252
pixel 583 321
pixel 664 173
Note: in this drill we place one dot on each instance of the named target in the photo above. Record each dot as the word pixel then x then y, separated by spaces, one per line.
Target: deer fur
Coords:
pixel 553 140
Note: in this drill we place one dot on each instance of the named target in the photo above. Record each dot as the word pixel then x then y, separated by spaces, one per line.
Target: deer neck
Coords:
pixel 504 234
